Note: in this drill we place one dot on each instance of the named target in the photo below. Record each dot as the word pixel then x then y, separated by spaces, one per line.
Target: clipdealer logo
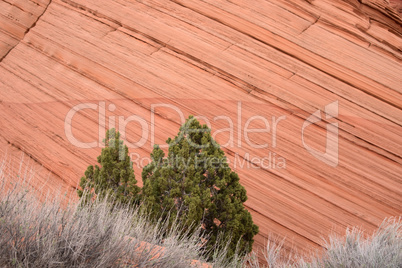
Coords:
pixel 237 126
pixel 331 154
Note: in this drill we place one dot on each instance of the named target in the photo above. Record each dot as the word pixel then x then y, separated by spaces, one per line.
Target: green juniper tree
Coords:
pixel 195 183
pixel 114 178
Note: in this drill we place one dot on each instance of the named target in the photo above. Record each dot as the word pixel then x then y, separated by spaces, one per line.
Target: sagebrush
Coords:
pixel 99 234
pixel 34 233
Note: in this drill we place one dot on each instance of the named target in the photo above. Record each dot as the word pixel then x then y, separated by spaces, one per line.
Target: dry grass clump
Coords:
pixel 382 249
pixel 48 234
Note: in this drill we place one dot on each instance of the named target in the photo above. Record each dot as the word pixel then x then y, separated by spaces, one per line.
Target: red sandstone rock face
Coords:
pixel 241 65
pixel 397 5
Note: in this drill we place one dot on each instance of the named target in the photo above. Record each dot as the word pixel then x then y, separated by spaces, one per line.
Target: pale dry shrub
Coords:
pixel 37 233
pixel 382 249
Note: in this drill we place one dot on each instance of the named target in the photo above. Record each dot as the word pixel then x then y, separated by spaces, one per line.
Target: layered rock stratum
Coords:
pixel 70 68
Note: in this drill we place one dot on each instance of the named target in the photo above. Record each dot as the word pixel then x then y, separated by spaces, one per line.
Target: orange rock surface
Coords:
pixel 69 69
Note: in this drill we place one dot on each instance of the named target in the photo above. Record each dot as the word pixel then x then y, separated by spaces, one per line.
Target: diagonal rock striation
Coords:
pixel 70 69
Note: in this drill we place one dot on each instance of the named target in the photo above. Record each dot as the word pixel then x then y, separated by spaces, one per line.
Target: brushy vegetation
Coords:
pixel 48 234
pixel 382 249
pixel 195 181
pixel 193 185
pixel 114 177
pixel 354 250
